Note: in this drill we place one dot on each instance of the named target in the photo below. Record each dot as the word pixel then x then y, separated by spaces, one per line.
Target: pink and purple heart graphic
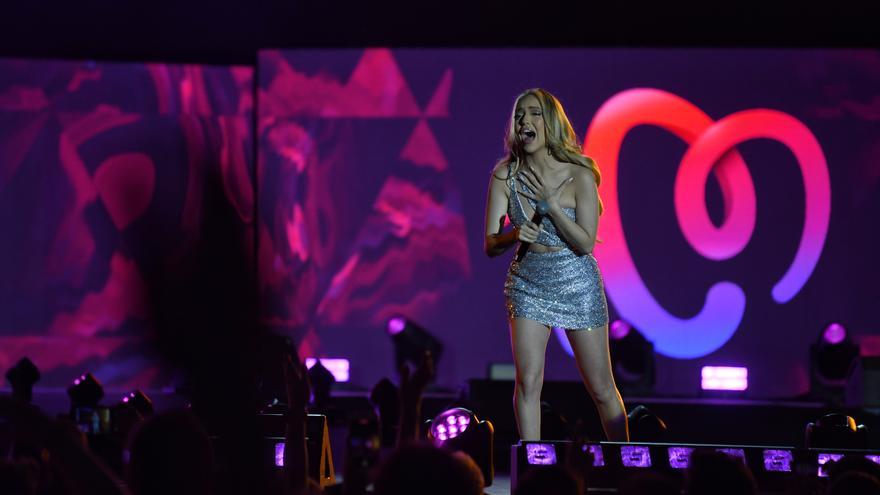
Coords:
pixel 711 151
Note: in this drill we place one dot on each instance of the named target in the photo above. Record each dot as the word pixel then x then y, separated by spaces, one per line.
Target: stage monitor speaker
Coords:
pixel 534 455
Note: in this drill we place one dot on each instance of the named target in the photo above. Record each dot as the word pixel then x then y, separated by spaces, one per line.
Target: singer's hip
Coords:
pixel 563 288
pixel 537 263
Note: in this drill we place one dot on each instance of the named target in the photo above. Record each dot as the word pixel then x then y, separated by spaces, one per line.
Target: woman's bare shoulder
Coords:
pixel 501 171
pixel 581 173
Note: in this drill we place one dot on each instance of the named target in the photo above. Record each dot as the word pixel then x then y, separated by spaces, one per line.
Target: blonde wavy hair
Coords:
pixel 559 135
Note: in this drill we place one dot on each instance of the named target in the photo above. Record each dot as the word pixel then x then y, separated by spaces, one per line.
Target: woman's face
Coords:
pixel 528 119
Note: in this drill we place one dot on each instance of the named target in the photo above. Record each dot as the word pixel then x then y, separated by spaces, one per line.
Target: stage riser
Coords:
pixel 706 421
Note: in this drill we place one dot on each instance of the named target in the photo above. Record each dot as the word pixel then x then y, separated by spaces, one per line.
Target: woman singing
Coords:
pixel 554 280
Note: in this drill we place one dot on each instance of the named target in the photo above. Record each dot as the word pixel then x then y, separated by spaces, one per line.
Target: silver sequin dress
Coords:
pixel 558 288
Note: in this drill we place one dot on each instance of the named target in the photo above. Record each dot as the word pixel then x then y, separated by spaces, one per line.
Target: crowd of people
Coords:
pixel 173 453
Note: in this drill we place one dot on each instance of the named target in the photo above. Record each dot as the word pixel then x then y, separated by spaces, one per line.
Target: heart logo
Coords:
pixel 711 151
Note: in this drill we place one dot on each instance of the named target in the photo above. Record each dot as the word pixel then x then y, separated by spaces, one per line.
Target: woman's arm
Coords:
pixel 497 241
pixel 580 234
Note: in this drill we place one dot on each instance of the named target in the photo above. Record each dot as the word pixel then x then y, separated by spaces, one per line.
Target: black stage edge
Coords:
pixel 776 469
pixel 707 420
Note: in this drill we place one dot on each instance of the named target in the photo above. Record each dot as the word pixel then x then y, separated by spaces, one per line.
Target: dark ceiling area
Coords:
pixel 225 32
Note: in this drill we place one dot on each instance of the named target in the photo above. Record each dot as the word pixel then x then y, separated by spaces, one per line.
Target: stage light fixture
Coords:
pixel 645 426
pixel 139 401
pixel 635 456
pixel 831 358
pixel 411 341
pixel 679 457
pixel 632 359
pixel 22 378
pixel 540 454
pixel 836 431
pixel 459 429
pixel 778 460
pixel 86 391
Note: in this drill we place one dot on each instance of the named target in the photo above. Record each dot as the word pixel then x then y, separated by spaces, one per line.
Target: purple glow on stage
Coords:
pixel 541 454
pixel 396 325
pixel 823 459
pixel 737 453
pixel 279 454
pixel 725 378
pixel 635 456
pixel 679 457
pixel 778 460
pixel 619 329
pixel 873 458
pixel 450 424
pixel 598 457
pixel 339 367
pixel 834 334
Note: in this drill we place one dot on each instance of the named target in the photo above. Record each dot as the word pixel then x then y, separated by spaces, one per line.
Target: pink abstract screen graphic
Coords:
pixel 711 151
pixel 540 454
pixel 338 367
pixel 363 220
pixel 109 154
pixel 732 378
pixel 778 460
pixel 636 456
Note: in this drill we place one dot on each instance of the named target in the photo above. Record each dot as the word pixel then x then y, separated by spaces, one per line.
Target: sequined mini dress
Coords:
pixel 557 288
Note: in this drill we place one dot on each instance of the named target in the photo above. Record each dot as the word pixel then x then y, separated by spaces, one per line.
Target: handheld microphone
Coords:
pixel 524 246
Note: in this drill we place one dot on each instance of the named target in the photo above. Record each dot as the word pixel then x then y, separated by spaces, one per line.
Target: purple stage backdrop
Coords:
pixel 102 168
pixel 741 195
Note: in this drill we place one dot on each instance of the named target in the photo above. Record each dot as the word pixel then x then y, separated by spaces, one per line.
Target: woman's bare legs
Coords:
pixel 528 339
pixel 594 362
